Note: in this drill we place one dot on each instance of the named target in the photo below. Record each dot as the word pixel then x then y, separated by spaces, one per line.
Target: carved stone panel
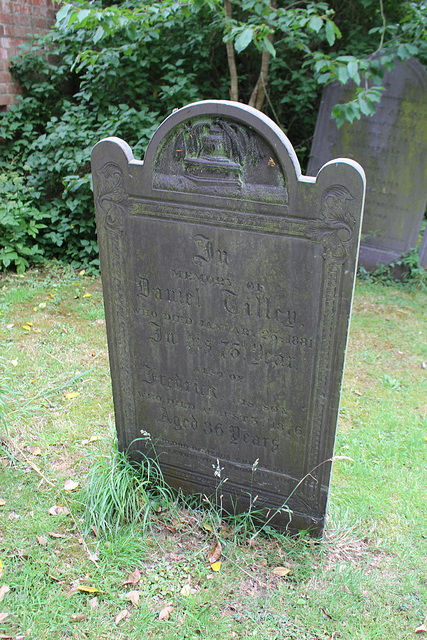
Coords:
pixel 228 279
pixel 391 146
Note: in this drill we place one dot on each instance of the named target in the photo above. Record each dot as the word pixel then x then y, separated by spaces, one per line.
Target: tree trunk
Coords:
pixel 234 83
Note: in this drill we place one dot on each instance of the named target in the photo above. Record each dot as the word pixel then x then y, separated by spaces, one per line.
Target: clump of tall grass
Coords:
pixel 121 492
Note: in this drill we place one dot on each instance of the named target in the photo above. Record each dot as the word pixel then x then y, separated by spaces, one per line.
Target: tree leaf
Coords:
pixel 165 613
pixel 282 571
pixel 87 589
pixel 42 540
pixel 35 451
pixel 330 32
pixel 3 616
pixel 133 578
pixel 215 554
pixel 315 23
pixel 421 629
pixel 216 566
pixel 59 510
pixel 133 596
pixel 243 39
pixel 121 616
pixel 72 394
pixel 3 590
pixel 70 485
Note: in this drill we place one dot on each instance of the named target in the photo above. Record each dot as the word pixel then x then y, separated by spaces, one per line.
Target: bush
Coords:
pixel 20 223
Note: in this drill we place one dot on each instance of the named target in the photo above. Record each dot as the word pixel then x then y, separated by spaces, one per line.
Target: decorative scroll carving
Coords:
pixel 336 227
pixel 112 197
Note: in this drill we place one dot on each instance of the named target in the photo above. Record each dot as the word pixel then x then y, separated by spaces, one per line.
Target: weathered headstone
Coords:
pixel 391 146
pixel 228 281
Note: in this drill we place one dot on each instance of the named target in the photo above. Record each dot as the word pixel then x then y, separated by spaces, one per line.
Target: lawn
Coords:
pixel 62 578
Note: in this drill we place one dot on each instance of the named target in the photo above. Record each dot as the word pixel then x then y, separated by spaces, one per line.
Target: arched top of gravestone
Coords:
pixel 216 149
pixel 223 148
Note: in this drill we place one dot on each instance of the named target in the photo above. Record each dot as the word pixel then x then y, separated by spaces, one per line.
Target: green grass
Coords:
pixel 366 580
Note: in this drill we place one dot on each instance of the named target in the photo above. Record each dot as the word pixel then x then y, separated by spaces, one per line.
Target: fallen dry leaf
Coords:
pixel 56 535
pixel 13 516
pixel 3 616
pixel 216 566
pixel 93 603
pixel 87 589
pixel 282 571
pixel 59 510
pixel 422 629
pixel 165 613
pixel 121 616
pixel 78 617
pixel 93 557
pixel 3 590
pixel 42 540
pixel 2 502
pixel 70 485
pixel 35 451
pixel 133 596
pixel 215 554
pixel 72 394
pixel 133 578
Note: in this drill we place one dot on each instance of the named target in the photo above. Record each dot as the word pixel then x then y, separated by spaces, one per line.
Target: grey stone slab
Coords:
pixel 392 148
pixel 228 279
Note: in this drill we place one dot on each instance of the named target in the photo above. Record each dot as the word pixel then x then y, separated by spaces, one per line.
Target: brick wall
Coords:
pixel 18 19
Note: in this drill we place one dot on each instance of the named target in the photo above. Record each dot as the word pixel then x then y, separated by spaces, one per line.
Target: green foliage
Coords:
pixel 120 492
pixel 20 223
pixel 119 68
pixel 406 271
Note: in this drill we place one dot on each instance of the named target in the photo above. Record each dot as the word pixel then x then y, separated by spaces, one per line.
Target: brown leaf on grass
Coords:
pixel 70 485
pixel 165 613
pixel 3 616
pixel 2 502
pixel 282 571
pixel 215 554
pixel 35 451
pixel 56 535
pixel 13 516
pixel 133 596
pixel 59 510
pixel 42 540
pixel 421 629
pixel 93 603
pixel 94 530
pixel 121 616
pixel 78 617
pixel 3 590
pixel 133 578
pixel 93 557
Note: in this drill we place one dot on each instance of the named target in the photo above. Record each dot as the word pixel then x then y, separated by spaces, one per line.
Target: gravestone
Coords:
pixel 391 146
pixel 228 280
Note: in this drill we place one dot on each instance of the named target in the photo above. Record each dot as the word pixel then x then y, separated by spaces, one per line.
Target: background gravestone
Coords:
pixel 392 148
pixel 228 281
